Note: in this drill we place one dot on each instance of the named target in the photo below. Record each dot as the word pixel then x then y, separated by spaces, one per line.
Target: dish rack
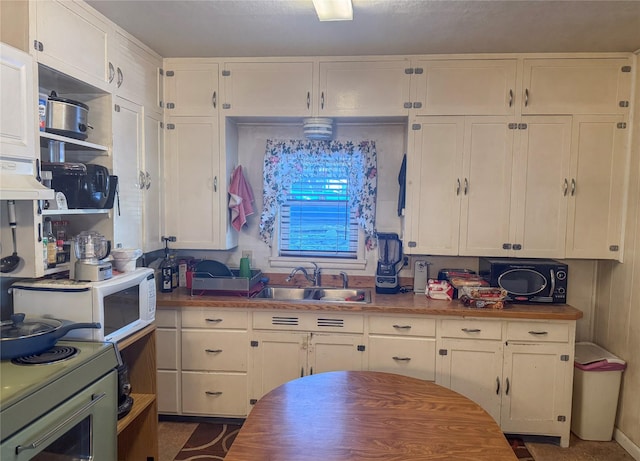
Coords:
pixel 225 285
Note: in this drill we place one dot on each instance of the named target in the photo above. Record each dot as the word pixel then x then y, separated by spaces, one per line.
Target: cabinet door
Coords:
pixel 127 152
pixel 17 105
pixel 464 87
pixel 434 166
pixel 168 383
pixel 539 207
pixel 136 73
pixel 473 368
pixel 193 212
pixel 267 88
pixel 537 388
pixel 276 359
pixel 191 88
pixel 74 39
pixel 153 183
pixel 365 88
pixel 486 186
pixel 408 356
pixel 576 86
pixel 596 188
pixel 329 352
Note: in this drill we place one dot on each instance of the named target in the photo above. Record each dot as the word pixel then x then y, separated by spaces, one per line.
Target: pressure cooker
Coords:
pixel 66 117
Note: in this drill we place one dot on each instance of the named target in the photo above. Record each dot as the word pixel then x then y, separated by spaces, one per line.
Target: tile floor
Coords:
pixel 173 435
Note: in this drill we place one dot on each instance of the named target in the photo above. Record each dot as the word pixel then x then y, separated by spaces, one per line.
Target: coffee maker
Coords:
pixel 87 252
pixel 389 255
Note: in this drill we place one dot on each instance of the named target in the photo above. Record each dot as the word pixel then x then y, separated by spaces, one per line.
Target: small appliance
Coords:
pixel 84 185
pixel 125 401
pixel 66 117
pixel 389 255
pixel 527 280
pixel 420 275
pixel 89 250
pixel 122 305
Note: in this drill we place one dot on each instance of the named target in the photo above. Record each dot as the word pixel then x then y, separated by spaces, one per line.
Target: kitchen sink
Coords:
pixel 336 295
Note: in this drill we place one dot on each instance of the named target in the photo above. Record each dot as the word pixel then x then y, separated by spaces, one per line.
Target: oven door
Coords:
pixel 82 428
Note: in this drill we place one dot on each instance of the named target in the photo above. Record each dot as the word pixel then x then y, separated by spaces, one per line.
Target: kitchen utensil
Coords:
pixel 89 249
pixel 26 336
pixel 66 117
pixel 389 255
pixel 10 263
pixel 212 268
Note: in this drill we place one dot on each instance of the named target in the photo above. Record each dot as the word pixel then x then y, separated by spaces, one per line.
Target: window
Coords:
pixel 319 196
pixel 316 219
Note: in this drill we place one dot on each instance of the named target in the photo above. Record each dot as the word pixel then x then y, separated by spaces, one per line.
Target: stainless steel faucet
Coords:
pixel 345 280
pixel 315 278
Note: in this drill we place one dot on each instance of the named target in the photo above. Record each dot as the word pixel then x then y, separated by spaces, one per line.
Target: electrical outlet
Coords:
pixel 247 254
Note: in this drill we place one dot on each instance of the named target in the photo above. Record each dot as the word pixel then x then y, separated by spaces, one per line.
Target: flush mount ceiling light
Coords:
pixel 334 10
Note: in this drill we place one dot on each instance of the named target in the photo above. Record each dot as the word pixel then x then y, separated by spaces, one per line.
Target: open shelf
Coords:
pixel 73 144
pixel 140 403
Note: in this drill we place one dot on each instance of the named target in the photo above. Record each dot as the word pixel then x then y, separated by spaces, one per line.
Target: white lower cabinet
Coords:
pixel 403 345
pixel 293 345
pixel 214 362
pixel 168 360
pixel 520 372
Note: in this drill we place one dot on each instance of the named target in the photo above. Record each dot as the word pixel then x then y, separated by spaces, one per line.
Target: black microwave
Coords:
pixel 527 280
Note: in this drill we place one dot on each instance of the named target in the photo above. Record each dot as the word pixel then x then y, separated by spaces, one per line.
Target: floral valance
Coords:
pixel 283 164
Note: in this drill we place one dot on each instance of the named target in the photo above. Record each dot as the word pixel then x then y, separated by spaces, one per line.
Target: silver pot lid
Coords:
pixel 18 327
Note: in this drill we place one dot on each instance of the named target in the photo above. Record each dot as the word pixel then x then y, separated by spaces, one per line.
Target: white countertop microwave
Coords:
pixel 122 304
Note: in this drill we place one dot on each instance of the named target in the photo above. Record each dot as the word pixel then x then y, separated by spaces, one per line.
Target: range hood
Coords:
pixel 18 182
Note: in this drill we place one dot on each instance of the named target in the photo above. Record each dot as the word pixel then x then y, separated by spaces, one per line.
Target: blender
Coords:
pixel 389 255
pixel 89 249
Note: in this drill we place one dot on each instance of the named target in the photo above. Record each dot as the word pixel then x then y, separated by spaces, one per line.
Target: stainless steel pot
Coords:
pixel 22 337
pixel 66 117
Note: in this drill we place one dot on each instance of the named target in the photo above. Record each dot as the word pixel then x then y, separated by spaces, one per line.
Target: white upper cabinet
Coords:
pixel 464 87
pixel 364 88
pixel 191 88
pixel 137 72
pixel 72 38
pixel 17 104
pixel 597 184
pixel 267 88
pixel 576 86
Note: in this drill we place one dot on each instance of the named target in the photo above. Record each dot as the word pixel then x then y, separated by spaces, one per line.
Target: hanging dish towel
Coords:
pixel 240 199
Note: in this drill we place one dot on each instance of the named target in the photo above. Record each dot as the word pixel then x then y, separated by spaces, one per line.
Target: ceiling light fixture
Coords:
pixel 334 10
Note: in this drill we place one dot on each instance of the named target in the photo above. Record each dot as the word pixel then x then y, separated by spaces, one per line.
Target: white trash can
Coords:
pixel 596 386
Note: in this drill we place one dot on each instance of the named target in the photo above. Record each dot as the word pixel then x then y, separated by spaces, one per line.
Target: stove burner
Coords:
pixel 53 355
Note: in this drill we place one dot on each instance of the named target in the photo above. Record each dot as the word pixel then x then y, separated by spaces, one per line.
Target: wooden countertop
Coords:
pixel 401 303
pixel 355 415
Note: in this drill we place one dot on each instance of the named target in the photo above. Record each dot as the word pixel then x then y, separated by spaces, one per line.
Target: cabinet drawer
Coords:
pixel 219 351
pixel 405 326
pixel 167 349
pixel 415 357
pixel 302 321
pixel 214 394
pixel 538 331
pixel 215 318
pixel 475 329
pixel 167 318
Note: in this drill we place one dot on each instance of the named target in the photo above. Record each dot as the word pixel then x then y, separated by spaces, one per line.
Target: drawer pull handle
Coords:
pixel 213 320
pixel 471 330
pixel 213 351
pixel 401 359
pixel 538 333
pixel 402 327
pixel 213 393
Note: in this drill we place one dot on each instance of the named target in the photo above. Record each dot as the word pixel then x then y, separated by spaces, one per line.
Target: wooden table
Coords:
pixel 362 415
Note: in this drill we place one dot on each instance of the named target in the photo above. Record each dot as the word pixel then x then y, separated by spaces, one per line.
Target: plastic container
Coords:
pixel 596 386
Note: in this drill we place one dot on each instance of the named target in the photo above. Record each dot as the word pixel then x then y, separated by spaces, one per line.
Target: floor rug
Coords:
pixel 209 441
pixel 519 448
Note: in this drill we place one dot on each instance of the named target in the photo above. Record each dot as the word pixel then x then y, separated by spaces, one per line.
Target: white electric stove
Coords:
pixel 58 406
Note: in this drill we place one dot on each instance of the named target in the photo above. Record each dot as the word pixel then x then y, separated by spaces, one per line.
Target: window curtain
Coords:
pixel 283 162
